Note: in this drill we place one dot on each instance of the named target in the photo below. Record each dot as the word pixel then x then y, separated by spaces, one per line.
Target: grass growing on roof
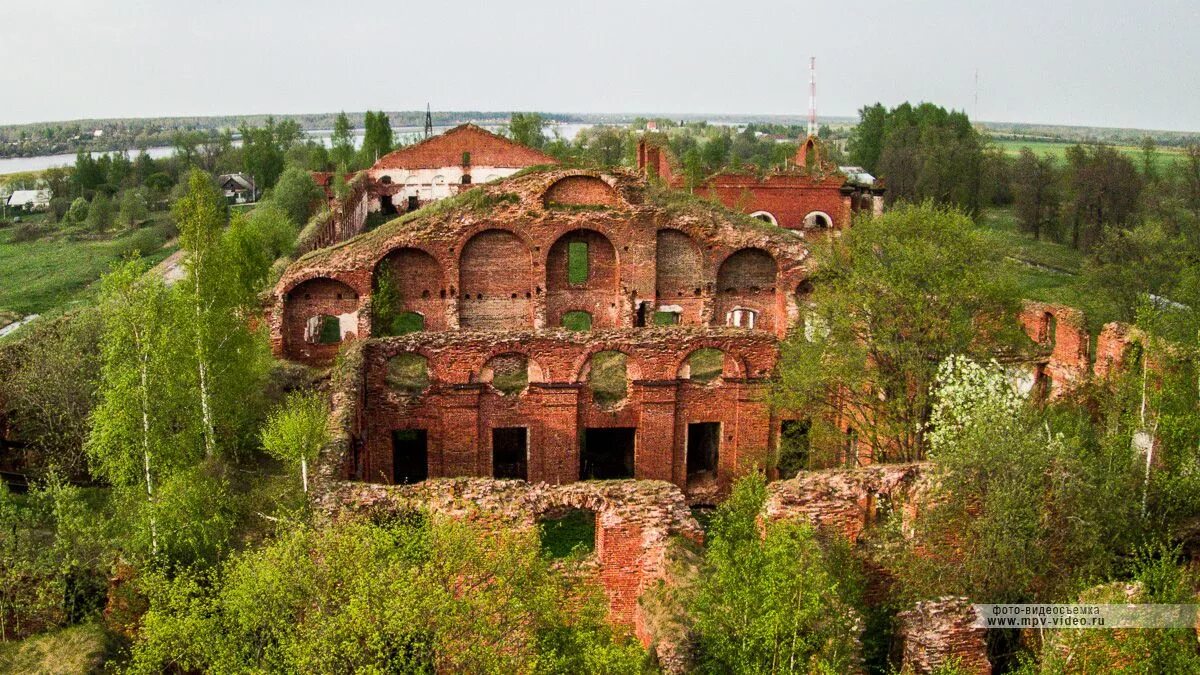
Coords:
pixel 408 373
pixel 706 364
pixel 608 377
pixel 577 321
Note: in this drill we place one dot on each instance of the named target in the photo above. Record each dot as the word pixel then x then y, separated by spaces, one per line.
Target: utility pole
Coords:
pixel 812 96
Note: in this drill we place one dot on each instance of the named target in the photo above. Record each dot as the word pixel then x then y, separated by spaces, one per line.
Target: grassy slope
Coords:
pixel 1045 271
pixel 36 276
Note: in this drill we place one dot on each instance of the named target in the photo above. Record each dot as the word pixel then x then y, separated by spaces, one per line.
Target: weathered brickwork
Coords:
pixel 1062 360
pixel 811 197
pixel 936 633
pixel 343 220
pixel 847 501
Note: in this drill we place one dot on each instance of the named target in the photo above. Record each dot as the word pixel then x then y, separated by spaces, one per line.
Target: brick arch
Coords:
pixel 735 362
pixel 679 273
pixel 813 220
pixel 746 279
pixel 598 294
pixel 438 374
pixel 580 190
pixel 317 296
pixel 583 365
pixel 419 280
pixel 495 281
pixel 765 216
pixel 534 370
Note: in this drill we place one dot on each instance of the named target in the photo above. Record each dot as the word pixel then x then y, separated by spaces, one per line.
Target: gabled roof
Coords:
pixel 29 197
pixel 486 148
pixel 235 181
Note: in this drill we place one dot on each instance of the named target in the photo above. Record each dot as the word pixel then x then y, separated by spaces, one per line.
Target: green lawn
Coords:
pixel 79 649
pixel 56 269
pixel 1163 158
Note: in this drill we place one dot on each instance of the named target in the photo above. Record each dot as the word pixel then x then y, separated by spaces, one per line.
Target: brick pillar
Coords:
pixel 656 438
pixel 456 450
pixel 554 435
pixel 619 550
pixel 753 433
pixel 936 632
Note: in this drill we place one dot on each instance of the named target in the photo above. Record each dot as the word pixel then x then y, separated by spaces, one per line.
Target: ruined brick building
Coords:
pixel 809 195
pixel 441 166
pixel 555 326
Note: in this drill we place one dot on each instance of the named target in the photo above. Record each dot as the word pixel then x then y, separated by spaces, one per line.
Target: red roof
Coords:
pixel 486 148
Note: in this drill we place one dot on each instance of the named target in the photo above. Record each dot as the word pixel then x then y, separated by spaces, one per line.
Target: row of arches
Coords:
pixel 814 220
pixel 607 372
pixel 498 288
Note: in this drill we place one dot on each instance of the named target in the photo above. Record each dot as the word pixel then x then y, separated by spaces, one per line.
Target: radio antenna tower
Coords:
pixel 428 122
pixel 812 96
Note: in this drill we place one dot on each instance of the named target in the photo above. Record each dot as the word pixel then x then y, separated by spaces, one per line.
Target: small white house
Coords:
pixel 29 200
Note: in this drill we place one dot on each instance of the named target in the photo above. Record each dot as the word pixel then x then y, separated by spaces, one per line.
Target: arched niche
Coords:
pixel 746 290
pixel 494 282
pixel 328 301
pixel 580 191
pixel 679 275
pixel 407 282
pixel 582 275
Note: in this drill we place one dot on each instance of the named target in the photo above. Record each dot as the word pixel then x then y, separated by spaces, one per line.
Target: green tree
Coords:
pixel 377 138
pixel 774 601
pixel 1035 192
pixel 341 153
pixel 141 429
pixel 391 600
pixel 265 148
pixel 897 294
pixel 1102 192
pixel 78 212
pixel 866 140
pixel 134 207
pixel 100 213
pixel 253 242
pixel 228 359
pixel 527 129
pixel 296 430
pixel 297 195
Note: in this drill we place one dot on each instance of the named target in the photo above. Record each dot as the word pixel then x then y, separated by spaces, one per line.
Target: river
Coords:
pixel 403 134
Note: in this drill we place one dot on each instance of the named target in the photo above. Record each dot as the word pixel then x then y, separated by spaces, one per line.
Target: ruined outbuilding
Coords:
pixel 555 326
pixel 809 194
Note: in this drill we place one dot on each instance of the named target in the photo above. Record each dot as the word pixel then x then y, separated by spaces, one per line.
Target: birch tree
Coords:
pixel 140 427
pixel 296 430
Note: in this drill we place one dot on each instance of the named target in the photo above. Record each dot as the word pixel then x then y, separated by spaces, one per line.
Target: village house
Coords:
pixel 237 187
pixel 29 200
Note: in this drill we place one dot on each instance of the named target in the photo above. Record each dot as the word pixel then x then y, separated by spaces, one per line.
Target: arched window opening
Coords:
pixel 765 216
pixel 608 378
pixel 817 220
pixel 507 373
pixel 704 365
pixel 408 373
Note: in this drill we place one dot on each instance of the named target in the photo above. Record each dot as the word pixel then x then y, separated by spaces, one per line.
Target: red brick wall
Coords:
pixel 486 148
pixel 678 269
pixel 495 282
pixel 787 197
pixel 581 190
pixel 459 410
pixel 315 297
pixel 746 279
pixel 1066 351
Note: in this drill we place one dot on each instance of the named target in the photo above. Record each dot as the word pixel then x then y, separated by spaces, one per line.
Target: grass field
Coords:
pixel 1163 158
pixel 61 266
pixel 78 650
pixel 1043 270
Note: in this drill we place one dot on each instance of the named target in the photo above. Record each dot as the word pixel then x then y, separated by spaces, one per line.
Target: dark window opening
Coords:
pixel 466 179
pixel 606 454
pixel 386 206
pixel 413 203
pixel 639 321
pixel 510 452
pixel 410 456
pixel 703 446
pixel 794 447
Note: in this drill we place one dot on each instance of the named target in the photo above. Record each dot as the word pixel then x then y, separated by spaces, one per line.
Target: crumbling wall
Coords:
pixel 936 633
pixel 344 220
pixel 846 501
pixel 1063 361
pixel 635 521
pixel 581 191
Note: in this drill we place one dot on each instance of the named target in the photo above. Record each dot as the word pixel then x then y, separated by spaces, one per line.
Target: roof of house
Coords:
pixel 486 148
pixel 239 181
pixel 24 197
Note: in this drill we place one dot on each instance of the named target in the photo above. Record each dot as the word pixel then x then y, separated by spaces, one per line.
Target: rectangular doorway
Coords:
pixel 606 454
pixel 703 448
pixel 510 453
pixel 410 456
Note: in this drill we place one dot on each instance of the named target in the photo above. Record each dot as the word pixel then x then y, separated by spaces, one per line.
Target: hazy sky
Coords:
pixel 1099 63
